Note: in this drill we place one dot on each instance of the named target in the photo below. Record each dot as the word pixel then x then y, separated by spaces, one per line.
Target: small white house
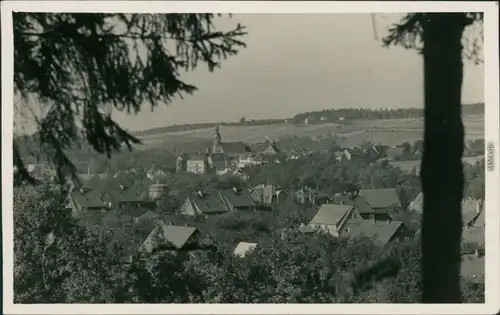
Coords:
pixel 243 248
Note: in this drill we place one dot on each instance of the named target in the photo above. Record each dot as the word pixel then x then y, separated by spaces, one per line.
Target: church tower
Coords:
pixel 217 147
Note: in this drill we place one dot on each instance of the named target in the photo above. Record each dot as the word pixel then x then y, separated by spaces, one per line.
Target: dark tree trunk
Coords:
pixel 442 173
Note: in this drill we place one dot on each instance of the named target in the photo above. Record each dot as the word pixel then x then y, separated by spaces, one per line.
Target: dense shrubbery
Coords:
pixel 55 260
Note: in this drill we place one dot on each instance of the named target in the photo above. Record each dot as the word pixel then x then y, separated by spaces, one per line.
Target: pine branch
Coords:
pixel 79 65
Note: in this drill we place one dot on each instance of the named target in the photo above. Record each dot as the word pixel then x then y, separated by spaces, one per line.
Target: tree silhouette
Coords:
pixel 80 66
pixel 442 173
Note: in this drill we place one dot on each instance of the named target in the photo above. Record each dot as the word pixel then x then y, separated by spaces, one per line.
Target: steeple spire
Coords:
pixel 217 140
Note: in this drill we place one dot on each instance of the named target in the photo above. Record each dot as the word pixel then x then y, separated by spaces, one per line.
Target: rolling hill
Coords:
pixel 384 131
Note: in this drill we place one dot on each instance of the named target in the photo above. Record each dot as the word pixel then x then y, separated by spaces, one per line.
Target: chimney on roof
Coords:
pixel 235 190
pixel 122 187
pixel 200 193
pixel 82 190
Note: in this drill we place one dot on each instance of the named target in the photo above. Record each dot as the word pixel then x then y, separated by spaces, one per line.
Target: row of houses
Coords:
pixel 260 197
pixel 107 212
pixel 136 173
pixel 160 236
pixel 219 202
pixel 222 163
pixel 348 220
pixel 379 198
pixel 358 217
pixel 225 157
pixel 152 233
pixel 367 213
pixel 83 200
pixel 376 152
pixel 473 237
pixel 374 207
pixel 473 217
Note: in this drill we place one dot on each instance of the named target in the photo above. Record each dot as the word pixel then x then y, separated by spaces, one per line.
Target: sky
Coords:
pixel 295 63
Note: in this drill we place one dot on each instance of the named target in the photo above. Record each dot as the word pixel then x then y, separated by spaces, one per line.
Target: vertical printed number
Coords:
pixel 490 156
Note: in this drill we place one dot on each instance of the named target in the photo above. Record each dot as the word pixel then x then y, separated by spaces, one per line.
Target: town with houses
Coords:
pixel 148 168
pixel 353 212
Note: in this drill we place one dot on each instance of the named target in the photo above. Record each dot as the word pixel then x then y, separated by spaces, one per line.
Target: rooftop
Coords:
pixel 207 203
pixel 381 197
pixel 330 214
pixel 381 233
pixel 168 235
pixel 235 147
pixel 88 198
pixel 124 195
pixel 359 202
pixel 473 268
pixel 243 248
pixel 239 198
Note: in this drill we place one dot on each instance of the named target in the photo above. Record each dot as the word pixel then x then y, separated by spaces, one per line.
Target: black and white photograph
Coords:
pixel 254 155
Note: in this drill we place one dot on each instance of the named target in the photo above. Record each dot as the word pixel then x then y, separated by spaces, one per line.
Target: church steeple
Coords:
pixel 217 148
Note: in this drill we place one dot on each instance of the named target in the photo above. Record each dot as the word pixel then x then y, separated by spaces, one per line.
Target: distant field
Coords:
pixel 407 166
pixel 388 132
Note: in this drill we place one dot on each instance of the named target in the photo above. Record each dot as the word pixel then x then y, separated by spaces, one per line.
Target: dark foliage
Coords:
pixel 79 66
